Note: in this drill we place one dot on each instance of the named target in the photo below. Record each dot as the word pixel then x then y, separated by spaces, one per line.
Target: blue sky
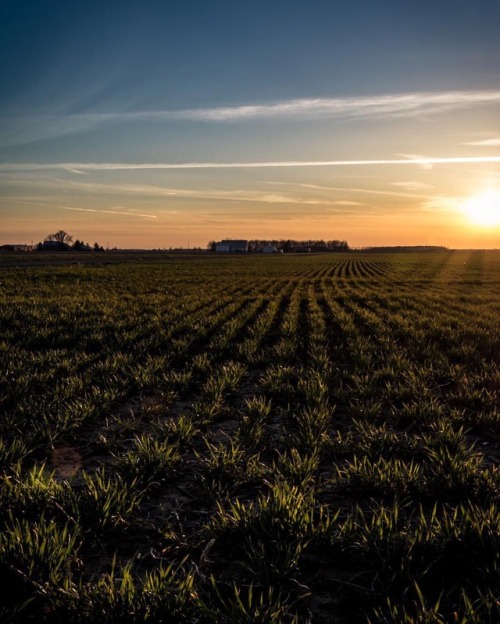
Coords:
pixel 111 111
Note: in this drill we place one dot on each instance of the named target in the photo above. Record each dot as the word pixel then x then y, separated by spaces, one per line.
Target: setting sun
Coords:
pixel 484 209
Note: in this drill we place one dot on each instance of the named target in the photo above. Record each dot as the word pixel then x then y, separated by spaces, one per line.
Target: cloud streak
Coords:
pixel 86 167
pixel 485 143
pixel 202 194
pixel 397 105
pixel 347 189
pixel 19 130
pixel 412 185
pixel 177 194
pixel 111 212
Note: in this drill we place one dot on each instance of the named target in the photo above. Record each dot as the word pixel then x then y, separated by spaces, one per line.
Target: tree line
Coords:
pixel 62 241
pixel 290 245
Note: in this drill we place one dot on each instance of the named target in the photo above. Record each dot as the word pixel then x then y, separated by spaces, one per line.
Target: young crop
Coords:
pixel 296 468
pixel 249 605
pixel 284 515
pixel 313 388
pixel 166 594
pixel 311 424
pixel 12 451
pixel 383 478
pixel 28 494
pixel 148 460
pixel 177 431
pixel 327 424
pixel 224 467
pixel 280 383
pixel 106 502
pixel 38 557
pixel 252 424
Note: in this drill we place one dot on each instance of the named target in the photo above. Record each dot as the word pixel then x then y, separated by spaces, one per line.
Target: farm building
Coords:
pixel 232 246
pixel 269 249
pixel 21 247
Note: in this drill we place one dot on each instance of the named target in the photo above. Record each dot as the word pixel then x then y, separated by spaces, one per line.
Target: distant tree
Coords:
pixel 61 237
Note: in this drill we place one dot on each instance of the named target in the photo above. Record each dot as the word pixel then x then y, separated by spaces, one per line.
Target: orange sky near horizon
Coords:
pixel 367 206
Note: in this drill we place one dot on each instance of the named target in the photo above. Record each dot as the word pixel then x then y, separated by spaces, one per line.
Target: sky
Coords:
pixel 162 123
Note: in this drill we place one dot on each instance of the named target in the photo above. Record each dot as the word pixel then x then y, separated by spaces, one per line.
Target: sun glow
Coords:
pixel 483 209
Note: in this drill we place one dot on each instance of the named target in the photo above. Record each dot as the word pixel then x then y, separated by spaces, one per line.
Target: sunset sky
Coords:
pixel 162 123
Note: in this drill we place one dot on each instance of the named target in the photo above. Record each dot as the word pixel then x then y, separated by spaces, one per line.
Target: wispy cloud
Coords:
pixel 347 202
pixel 485 143
pixel 405 104
pixel 78 172
pixel 235 195
pixel 410 160
pixel 349 189
pixel 112 212
pixel 412 185
pixel 238 195
pixel 355 206
pixel 19 130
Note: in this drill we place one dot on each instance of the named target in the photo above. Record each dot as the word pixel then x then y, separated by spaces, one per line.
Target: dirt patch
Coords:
pixel 66 461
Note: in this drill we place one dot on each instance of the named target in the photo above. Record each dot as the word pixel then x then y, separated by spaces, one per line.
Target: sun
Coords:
pixel 483 209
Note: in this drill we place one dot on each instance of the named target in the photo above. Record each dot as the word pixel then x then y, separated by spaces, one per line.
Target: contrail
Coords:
pixel 462 160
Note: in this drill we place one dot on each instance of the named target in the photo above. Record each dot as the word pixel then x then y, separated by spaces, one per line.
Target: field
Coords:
pixel 282 439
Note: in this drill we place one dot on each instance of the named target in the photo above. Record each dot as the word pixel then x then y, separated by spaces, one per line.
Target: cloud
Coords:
pixel 178 194
pixel 112 212
pixel 77 171
pixel 346 202
pixel 410 159
pixel 21 130
pixel 345 189
pixel 485 143
pixel 413 186
pixel 392 105
pixel 424 162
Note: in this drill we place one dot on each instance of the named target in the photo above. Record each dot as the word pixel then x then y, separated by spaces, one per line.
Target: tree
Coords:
pixel 61 237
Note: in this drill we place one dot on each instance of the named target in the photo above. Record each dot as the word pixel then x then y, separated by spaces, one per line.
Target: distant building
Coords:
pixel 269 249
pixel 223 247
pixel 232 246
pixel 16 247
